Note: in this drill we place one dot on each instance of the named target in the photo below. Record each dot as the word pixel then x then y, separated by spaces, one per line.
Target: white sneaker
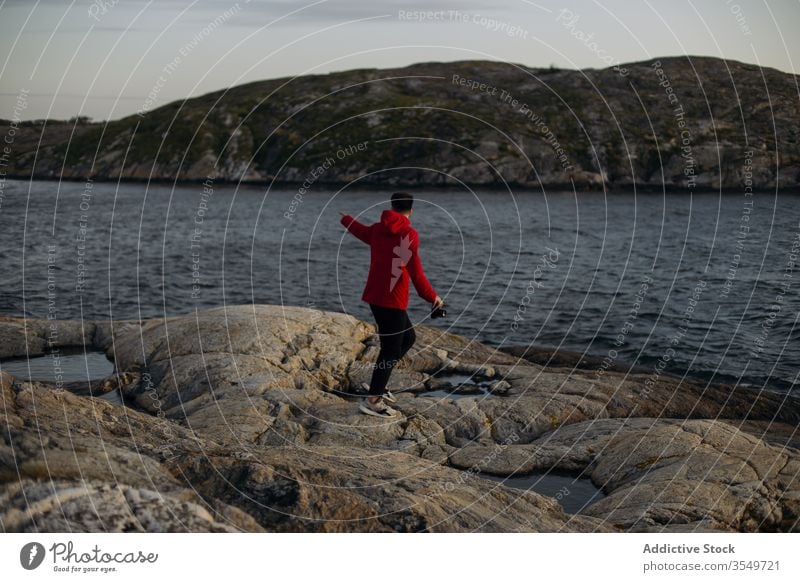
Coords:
pixel 378 409
pixel 387 396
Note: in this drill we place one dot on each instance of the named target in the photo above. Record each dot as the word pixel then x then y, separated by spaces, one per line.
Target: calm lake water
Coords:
pixel 702 285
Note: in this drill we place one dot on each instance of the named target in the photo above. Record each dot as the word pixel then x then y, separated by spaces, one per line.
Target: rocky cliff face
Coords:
pixel 681 123
pixel 237 419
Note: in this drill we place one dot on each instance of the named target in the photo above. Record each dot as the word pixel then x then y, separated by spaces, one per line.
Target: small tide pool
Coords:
pixel 65 366
pixel 572 492
pixel 61 366
pixel 456 385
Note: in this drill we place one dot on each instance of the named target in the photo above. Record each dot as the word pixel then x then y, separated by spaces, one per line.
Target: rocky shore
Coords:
pixel 239 419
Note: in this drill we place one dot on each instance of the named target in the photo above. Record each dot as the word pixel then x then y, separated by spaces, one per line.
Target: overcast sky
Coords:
pixel 103 58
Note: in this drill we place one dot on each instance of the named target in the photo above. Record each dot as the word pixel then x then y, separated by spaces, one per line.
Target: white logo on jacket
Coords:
pixel 402 254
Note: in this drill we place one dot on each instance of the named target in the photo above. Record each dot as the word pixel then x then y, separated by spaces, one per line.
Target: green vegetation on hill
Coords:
pixel 686 125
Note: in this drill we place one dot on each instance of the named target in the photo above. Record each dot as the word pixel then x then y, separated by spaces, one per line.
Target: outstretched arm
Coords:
pixel 360 231
pixel 417 275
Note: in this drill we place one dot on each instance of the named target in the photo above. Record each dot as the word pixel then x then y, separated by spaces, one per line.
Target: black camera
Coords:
pixel 438 312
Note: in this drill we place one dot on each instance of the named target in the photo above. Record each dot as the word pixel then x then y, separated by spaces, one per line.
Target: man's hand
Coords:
pixel 438 302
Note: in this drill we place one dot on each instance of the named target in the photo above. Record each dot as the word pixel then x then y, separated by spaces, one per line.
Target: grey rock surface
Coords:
pixel 241 419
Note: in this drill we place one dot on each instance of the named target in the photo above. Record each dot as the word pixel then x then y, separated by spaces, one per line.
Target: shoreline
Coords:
pixel 382 187
pixel 570 359
pixel 545 356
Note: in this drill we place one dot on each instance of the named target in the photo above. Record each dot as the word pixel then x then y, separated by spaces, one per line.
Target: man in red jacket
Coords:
pixel 394 259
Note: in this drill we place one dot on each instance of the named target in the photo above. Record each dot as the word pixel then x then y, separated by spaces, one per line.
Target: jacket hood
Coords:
pixel 394 222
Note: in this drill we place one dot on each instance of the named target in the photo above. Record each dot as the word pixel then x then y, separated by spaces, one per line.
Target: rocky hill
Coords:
pixel 238 419
pixel 681 122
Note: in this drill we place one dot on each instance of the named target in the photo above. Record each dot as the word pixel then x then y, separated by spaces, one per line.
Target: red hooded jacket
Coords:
pixel 394 258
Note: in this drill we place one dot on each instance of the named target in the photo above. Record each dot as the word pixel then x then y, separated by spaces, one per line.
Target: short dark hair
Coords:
pixel 402 201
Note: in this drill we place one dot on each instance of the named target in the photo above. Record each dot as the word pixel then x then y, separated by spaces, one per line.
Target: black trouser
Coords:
pixel 397 336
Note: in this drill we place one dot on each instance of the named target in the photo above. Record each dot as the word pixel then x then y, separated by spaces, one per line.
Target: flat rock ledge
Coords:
pixel 240 419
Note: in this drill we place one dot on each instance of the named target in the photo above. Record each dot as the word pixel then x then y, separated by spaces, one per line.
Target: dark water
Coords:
pixel 62 366
pixel 66 366
pixel 631 278
pixel 573 493
pixel 460 386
